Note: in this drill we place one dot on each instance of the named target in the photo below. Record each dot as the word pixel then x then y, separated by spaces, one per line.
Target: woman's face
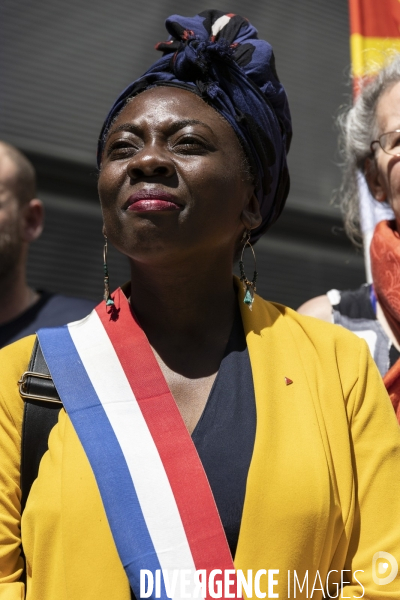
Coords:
pixel 172 178
pixel 384 179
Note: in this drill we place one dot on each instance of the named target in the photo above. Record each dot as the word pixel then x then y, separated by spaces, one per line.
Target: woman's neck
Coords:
pixel 186 311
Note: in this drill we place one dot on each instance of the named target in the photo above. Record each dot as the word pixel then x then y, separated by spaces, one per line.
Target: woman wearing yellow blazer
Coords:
pixel 292 472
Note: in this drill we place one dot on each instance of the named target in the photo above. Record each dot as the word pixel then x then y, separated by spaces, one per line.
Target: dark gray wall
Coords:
pixel 62 64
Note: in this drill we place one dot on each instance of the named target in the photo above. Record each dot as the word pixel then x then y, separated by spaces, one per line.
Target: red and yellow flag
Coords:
pixel 375 31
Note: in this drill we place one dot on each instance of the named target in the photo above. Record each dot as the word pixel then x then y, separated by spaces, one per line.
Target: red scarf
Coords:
pixel 385 267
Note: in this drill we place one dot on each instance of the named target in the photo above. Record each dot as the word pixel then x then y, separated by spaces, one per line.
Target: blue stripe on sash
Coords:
pixel 135 547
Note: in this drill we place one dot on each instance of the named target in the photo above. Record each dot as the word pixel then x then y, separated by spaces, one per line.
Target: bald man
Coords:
pixel 24 310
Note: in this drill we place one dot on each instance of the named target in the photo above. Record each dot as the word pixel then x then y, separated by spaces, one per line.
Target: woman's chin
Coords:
pixel 150 248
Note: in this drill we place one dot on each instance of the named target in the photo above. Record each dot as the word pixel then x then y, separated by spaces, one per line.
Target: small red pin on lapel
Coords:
pixel 288 381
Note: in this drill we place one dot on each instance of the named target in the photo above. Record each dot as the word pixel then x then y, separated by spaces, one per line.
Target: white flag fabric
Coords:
pixel 371 213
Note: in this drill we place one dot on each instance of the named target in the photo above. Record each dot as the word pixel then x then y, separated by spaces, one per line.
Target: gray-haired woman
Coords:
pixel 371 151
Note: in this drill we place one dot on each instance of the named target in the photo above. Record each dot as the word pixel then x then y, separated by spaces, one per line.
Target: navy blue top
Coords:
pixel 224 436
pixel 51 310
pixel 225 433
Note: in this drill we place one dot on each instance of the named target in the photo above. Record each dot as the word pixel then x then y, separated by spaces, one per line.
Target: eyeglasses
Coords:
pixel 389 142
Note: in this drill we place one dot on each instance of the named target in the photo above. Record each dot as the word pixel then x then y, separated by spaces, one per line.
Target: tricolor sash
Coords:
pixel 155 492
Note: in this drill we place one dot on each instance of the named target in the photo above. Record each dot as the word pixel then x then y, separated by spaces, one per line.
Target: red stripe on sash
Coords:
pixel 182 464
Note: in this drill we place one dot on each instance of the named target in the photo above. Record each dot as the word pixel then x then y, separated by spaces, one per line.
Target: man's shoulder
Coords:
pixel 66 309
pixel 59 310
pixel 51 310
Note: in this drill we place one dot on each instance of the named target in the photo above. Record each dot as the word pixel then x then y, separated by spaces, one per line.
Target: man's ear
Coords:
pixel 251 215
pixel 374 180
pixel 32 220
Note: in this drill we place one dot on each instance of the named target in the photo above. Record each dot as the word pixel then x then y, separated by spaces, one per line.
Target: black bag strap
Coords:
pixel 42 405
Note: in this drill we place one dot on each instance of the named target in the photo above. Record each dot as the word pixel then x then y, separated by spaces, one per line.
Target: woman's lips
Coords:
pixel 148 204
pixel 152 200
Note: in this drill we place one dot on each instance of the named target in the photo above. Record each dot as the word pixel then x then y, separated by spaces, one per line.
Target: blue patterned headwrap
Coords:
pixel 219 57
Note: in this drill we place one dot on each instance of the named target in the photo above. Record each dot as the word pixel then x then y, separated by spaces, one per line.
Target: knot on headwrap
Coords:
pixel 200 55
pixel 219 57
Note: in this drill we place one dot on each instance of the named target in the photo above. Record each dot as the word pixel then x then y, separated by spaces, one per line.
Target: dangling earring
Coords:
pixel 249 287
pixel 107 296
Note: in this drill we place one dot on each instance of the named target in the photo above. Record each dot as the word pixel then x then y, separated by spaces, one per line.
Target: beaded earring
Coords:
pixel 107 296
pixel 249 287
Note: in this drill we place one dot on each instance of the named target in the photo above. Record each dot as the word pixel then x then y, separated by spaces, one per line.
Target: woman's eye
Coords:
pixel 121 149
pixel 190 145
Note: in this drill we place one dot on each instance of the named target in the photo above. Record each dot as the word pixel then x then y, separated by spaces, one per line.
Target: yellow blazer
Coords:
pixel 323 490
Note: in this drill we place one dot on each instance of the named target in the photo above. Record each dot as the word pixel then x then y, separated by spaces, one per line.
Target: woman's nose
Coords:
pixel 150 162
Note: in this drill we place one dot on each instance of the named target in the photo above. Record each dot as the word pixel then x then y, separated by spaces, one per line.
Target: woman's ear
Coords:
pixel 251 215
pixel 374 180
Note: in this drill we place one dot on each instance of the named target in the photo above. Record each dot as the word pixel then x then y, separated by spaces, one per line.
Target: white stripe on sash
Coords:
pixel 145 466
